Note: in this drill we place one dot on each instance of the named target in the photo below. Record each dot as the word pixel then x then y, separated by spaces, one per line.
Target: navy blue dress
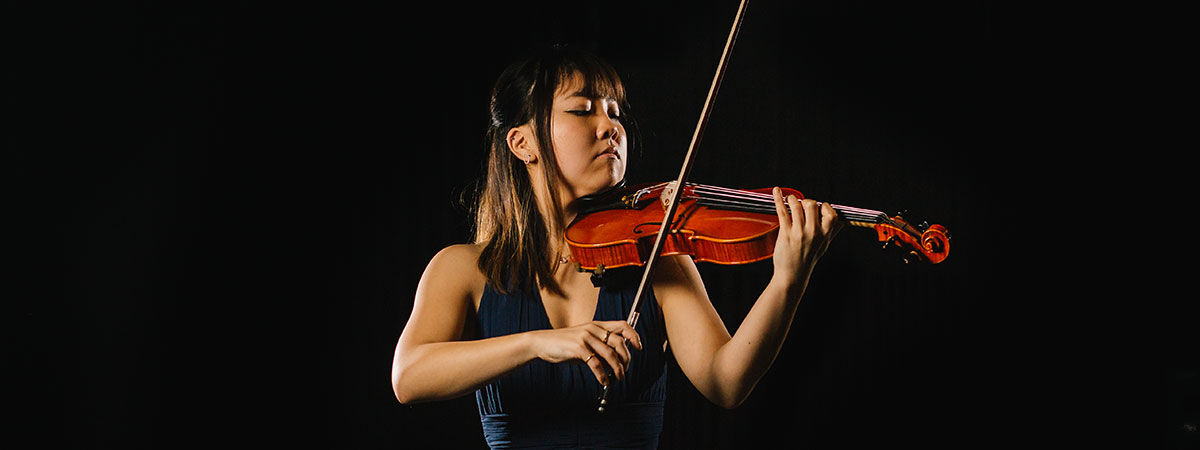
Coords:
pixel 544 405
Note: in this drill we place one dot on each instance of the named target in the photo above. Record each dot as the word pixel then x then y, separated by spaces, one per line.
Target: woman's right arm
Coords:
pixel 432 362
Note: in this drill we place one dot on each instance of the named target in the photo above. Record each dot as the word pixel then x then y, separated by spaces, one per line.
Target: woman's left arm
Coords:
pixel 725 368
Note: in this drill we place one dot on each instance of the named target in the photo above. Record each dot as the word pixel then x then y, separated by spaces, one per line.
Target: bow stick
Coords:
pixel 673 198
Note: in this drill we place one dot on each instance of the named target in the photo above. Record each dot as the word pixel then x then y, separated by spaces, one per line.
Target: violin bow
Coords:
pixel 675 194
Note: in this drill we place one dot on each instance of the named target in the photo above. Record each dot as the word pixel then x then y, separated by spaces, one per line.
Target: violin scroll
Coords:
pixel 923 242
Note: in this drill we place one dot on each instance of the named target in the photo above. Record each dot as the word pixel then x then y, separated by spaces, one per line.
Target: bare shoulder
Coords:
pixel 448 288
pixel 457 255
pixel 455 270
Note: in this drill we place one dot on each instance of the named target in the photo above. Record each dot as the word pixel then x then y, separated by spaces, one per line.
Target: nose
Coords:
pixel 609 130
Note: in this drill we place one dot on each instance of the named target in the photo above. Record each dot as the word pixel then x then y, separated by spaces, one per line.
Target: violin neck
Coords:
pixel 858 223
pixel 740 200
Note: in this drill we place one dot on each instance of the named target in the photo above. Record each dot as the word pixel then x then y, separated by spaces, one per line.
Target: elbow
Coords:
pixel 729 397
pixel 400 387
pixel 732 402
pixel 398 390
pixel 411 380
pixel 725 400
pixel 402 395
pixel 405 387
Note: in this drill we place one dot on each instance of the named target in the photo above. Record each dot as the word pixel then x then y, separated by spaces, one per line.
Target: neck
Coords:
pixel 556 241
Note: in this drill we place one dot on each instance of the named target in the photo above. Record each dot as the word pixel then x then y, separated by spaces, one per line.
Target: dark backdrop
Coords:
pixel 239 201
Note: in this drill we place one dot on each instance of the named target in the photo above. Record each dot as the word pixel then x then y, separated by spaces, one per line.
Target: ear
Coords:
pixel 522 144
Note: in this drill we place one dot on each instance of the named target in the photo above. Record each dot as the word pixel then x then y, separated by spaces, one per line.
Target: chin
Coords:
pixel 599 181
pixel 592 188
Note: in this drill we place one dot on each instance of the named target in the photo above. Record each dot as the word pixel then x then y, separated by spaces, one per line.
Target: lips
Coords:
pixel 610 151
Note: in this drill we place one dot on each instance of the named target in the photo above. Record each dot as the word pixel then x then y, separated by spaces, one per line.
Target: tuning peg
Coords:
pixel 889 242
pixel 912 257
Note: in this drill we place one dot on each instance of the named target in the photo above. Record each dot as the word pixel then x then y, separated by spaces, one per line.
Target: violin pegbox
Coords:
pixel 922 242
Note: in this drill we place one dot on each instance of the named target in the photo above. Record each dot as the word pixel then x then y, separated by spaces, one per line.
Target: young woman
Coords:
pixel 509 319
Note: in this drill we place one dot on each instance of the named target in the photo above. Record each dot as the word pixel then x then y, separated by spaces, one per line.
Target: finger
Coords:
pixel 828 219
pixel 618 343
pixel 597 329
pixel 785 222
pixel 612 338
pixel 621 328
pixel 630 336
pixel 798 217
pixel 812 217
pixel 597 367
pixel 609 357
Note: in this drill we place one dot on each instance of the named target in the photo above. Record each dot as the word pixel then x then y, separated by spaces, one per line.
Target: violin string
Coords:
pixel 768 202
pixel 764 203
pixel 840 208
pixel 771 198
pixel 765 209
pixel 768 206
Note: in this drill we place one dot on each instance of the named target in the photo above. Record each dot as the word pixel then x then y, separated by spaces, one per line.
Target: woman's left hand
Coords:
pixel 804 234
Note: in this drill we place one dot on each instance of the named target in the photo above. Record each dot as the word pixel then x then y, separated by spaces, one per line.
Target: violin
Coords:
pixel 617 227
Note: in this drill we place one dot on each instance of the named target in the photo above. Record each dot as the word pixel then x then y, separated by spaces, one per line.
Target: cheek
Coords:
pixel 572 154
pixel 619 169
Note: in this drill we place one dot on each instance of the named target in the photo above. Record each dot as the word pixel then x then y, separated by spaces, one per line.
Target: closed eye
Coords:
pixel 585 113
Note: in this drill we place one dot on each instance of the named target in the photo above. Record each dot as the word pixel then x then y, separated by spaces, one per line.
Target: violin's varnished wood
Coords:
pixel 624 236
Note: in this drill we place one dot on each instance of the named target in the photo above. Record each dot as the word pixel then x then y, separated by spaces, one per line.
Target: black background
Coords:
pixel 229 208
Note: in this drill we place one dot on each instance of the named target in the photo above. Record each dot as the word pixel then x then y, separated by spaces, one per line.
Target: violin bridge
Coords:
pixel 667 193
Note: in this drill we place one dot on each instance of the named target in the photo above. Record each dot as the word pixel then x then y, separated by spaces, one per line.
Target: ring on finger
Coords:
pixel 589 358
pixel 607 333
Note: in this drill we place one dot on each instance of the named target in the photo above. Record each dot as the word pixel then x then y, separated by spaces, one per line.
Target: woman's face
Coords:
pixel 589 139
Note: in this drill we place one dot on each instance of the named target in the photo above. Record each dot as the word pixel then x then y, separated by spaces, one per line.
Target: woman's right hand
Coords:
pixel 600 345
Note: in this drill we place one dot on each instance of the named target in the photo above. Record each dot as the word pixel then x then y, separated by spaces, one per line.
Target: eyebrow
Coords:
pixel 584 94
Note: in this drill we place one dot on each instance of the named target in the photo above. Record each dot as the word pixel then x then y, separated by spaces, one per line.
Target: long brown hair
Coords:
pixel 508 222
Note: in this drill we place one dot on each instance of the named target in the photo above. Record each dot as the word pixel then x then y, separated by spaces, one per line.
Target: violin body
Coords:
pixel 718 225
pixel 623 236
